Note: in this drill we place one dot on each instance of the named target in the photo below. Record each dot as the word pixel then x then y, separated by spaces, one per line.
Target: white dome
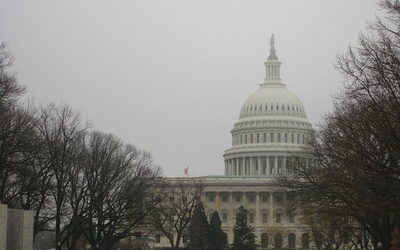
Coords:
pixel 272 100
pixel 272 125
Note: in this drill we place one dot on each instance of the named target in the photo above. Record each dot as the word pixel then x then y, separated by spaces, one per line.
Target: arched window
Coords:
pixel 272 137
pixel 292 240
pixel 264 240
pixel 305 242
pixel 278 241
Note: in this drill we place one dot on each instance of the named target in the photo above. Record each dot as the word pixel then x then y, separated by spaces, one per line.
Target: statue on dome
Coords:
pixel 272 41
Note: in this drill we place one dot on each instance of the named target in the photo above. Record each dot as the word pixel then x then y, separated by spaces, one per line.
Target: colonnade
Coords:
pixel 258 203
pixel 255 165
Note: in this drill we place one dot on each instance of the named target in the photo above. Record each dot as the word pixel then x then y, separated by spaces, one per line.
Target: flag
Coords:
pixel 186 171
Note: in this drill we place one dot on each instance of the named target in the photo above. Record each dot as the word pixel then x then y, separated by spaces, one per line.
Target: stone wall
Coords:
pixel 16 229
pixel 3 226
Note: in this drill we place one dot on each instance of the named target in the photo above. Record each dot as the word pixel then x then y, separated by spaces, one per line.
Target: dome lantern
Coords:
pixel 272 66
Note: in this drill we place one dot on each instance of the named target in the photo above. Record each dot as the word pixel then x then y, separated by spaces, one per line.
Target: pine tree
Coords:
pixel 198 228
pixel 243 238
pixel 217 239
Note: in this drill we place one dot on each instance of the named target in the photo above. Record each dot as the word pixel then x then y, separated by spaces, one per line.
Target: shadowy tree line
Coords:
pixel 352 187
pixel 81 183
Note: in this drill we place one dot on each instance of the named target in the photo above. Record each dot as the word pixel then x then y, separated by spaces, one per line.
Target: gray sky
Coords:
pixel 170 76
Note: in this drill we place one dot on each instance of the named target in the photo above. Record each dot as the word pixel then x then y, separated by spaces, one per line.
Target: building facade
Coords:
pixel 272 127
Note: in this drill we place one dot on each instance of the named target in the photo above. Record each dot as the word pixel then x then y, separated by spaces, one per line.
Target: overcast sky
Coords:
pixel 170 77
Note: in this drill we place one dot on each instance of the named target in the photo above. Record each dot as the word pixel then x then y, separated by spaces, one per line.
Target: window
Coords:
pixel 265 137
pixel 251 198
pixel 278 218
pixel 224 198
pixel 278 197
pixel 265 198
pixel 237 198
pixel 251 138
pixel 305 242
pixel 279 137
pixel 278 241
pixel 292 139
pixel 286 138
pixel 224 217
pixel 158 238
pixel 265 217
pixel 264 240
pixel 245 138
pixel 211 198
pixel 291 217
pixel 292 240
pixel 272 137
pixel 258 138
pixel 251 217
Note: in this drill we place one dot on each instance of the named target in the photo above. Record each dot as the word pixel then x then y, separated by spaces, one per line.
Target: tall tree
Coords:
pixel 62 132
pixel 243 237
pixel 356 166
pixel 198 228
pixel 179 197
pixel 217 239
pixel 121 181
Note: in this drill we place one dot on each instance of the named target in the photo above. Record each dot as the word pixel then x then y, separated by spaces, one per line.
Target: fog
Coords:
pixel 171 76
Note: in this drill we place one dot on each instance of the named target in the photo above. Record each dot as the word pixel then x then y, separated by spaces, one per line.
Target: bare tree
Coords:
pixel 62 132
pixel 355 172
pixel 179 198
pixel 120 186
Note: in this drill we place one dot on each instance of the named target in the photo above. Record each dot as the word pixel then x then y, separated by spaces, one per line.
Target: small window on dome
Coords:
pixel 297 108
pixel 266 107
pixel 283 107
pixel 255 108
pixel 251 108
pixel 260 107
pixel 272 107
pixel 277 107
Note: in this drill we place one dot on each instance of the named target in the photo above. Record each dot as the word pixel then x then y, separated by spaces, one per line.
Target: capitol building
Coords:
pixel 272 127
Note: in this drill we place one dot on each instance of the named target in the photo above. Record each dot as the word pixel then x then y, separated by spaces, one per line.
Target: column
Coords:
pixel 243 166
pixel 271 209
pixel 230 212
pixel 260 167
pixel 244 199
pixel 268 166
pixel 251 165
pixel 284 165
pixel 258 219
pixel 226 167
pixel 276 165
pixel 217 202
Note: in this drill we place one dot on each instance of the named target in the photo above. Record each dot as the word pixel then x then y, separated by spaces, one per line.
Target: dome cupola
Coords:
pixel 272 124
